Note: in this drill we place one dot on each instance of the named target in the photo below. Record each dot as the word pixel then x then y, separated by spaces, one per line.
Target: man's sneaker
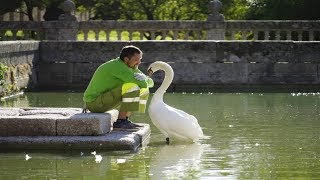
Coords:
pixel 136 125
pixel 127 118
pixel 123 124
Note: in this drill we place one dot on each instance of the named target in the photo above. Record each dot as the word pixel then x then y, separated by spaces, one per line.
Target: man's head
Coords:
pixel 131 56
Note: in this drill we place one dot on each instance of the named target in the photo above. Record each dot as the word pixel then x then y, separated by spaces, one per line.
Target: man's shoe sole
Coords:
pixel 125 129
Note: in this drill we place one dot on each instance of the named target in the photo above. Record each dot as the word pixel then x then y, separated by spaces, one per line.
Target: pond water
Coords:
pixel 248 136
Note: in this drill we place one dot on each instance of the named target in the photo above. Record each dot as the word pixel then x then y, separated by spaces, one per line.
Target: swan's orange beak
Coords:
pixel 150 72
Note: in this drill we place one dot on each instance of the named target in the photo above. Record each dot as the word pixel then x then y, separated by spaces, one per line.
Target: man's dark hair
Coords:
pixel 129 51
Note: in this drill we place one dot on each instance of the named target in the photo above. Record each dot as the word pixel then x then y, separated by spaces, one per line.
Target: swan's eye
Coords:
pixel 150 72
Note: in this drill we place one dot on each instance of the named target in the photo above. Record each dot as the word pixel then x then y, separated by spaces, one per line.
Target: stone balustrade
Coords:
pixel 273 30
pixel 111 30
pixel 145 30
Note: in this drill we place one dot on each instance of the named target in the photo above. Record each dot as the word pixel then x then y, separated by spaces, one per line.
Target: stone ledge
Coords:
pixel 84 124
pixel 54 122
pixel 27 126
pixel 115 140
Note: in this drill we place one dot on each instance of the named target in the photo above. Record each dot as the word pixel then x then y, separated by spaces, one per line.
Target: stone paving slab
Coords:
pixel 27 126
pixel 66 128
pixel 9 111
pixel 54 121
pixel 84 124
pixel 115 140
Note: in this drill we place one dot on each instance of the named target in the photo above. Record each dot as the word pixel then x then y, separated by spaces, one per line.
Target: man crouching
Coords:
pixel 118 83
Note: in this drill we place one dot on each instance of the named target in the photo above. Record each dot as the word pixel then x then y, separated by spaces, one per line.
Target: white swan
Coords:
pixel 172 122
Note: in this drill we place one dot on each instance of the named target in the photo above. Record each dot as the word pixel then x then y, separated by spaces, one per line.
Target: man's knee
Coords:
pixel 134 98
pixel 129 88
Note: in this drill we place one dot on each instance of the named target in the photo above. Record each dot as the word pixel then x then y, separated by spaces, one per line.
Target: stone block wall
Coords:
pixel 54 65
pixel 195 63
pixel 20 57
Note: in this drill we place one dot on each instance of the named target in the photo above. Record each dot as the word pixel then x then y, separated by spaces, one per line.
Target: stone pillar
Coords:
pixel 216 25
pixel 66 28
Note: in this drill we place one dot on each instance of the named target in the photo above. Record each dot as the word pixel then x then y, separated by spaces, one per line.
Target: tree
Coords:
pixel 183 10
pixel 108 10
pixel 235 9
pixel 198 9
pixel 146 9
pixel 9 6
pixel 284 9
pixel 24 6
pixel 52 10
pixel 30 4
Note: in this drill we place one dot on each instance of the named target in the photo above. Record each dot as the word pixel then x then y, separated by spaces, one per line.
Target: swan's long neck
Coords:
pixel 168 77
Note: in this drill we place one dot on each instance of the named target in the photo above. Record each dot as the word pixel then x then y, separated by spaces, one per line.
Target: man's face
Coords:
pixel 134 61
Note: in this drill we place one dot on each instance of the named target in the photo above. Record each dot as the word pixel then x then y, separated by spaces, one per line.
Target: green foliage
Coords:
pixel 3 71
pixel 284 9
pixel 24 6
pixel 9 5
pixel 53 10
pixel 177 9
pixel 146 9
pixel 8 83
pixel 235 9
pixel 182 10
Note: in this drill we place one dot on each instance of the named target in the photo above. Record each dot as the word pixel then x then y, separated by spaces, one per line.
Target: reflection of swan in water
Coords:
pixel 172 122
pixel 176 161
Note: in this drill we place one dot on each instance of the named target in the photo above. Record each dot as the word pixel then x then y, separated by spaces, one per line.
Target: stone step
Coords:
pixel 66 128
pixel 113 141
pixel 54 122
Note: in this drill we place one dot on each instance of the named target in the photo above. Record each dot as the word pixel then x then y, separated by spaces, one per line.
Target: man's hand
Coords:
pixel 140 76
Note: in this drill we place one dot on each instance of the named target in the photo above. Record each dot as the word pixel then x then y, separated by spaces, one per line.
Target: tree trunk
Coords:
pixel 29 10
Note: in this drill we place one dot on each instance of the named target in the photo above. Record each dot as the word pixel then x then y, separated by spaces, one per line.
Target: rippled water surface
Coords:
pixel 248 136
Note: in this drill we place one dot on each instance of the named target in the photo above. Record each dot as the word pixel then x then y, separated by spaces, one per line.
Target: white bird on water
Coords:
pixel 98 158
pixel 172 122
pixel 28 157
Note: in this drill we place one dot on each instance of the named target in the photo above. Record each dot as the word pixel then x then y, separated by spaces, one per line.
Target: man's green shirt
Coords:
pixel 110 75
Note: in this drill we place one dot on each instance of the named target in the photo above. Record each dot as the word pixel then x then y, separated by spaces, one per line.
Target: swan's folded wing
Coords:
pixel 177 123
pixel 184 123
pixel 184 114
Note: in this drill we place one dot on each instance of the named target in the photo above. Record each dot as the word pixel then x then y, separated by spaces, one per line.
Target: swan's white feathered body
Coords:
pixel 172 122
